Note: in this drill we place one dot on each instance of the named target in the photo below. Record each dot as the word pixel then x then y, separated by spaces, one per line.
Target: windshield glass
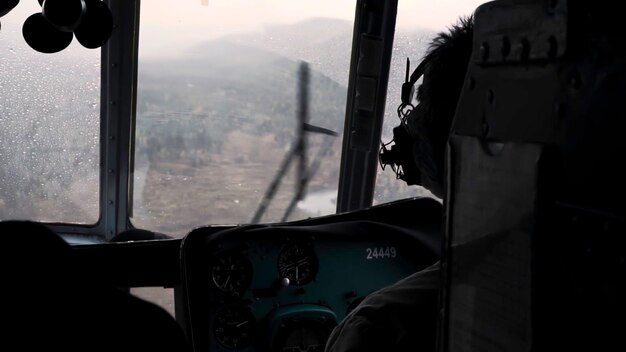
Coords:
pixel 217 110
pixel 49 128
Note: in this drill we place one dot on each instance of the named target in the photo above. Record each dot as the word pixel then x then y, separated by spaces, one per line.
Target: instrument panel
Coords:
pixel 284 288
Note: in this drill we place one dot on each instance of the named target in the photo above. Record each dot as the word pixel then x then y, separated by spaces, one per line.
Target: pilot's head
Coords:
pixel 428 124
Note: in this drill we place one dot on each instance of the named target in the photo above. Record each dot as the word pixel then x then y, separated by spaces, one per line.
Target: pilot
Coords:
pixel 403 316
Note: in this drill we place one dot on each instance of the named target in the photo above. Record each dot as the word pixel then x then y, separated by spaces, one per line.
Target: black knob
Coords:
pixel 42 36
pixel 65 15
pixel 7 5
pixel 97 25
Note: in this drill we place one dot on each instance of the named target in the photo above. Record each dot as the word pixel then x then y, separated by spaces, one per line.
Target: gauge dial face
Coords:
pixel 298 263
pixel 232 273
pixel 304 337
pixel 234 327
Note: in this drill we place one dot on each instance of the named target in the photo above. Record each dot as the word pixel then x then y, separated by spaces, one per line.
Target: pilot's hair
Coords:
pixel 446 59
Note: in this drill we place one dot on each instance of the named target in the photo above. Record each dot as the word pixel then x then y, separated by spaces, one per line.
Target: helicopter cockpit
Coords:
pixel 205 115
pixel 223 160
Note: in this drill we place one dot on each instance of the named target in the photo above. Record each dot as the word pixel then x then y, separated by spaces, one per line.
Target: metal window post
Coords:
pixel 372 44
pixel 119 81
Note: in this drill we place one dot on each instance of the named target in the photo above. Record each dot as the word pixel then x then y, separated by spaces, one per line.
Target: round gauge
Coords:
pixel 232 273
pixel 306 336
pixel 234 327
pixel 298 263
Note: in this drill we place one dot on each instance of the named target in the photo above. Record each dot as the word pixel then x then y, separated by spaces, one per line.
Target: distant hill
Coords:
pixel 228 111
pixel 248 83
pixel 323 42
pixel 262 66
pixel 223 86
pixel 327 43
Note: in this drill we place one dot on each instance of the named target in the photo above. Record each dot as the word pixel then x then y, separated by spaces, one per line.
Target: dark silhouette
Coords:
pixel 51 301
pixel 404 315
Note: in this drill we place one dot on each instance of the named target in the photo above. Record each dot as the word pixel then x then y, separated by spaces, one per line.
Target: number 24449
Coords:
pixel 381 253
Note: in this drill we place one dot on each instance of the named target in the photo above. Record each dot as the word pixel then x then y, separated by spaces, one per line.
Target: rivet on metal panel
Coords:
pixel 494 148
pixel 484 52
pixel 559 111
pixel 523 49
pixel 553 3
pixel 485 127
pixel 552 47
pixel 574 80
pixel 505 50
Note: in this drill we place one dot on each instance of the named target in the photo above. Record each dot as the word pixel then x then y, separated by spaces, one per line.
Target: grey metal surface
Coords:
pixel 372 42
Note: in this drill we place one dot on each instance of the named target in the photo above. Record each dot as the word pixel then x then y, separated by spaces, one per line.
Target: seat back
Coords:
pixel 53 302
pixel 535 186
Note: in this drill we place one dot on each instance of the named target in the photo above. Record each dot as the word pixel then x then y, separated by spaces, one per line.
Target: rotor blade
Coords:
pixel 316 129
pixel 271 190
pixel 303 116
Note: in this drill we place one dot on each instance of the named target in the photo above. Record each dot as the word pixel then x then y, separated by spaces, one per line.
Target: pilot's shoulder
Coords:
pixel 406 292
pixel 391 316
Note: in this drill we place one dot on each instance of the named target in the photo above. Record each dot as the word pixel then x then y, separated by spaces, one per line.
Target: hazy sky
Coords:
pixel 168 21
pixel 196 23
pixel 241 14
pixel 228 15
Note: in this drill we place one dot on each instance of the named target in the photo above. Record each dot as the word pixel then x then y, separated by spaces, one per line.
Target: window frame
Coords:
pixel 372 45
pixel 118 79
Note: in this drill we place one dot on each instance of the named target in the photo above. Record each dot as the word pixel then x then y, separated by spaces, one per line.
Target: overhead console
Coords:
pixel 284 287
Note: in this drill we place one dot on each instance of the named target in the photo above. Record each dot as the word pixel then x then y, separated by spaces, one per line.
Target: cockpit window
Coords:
pixel 217 105
pixel 49 128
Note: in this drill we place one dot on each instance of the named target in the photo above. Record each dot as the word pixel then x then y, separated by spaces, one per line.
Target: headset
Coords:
pixel 400 155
